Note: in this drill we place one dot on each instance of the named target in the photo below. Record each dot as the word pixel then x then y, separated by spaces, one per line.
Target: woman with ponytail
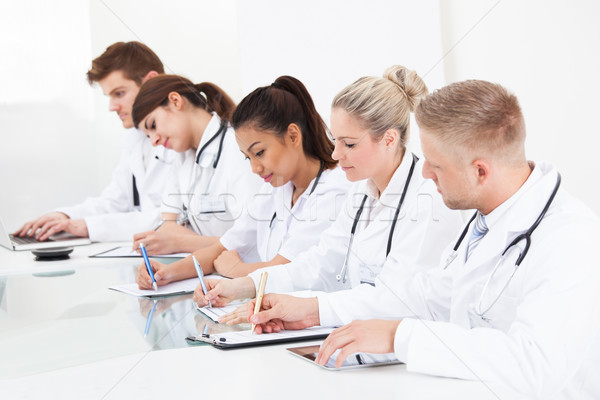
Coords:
pixel 285 140
pixel 212 181
pixel 392 218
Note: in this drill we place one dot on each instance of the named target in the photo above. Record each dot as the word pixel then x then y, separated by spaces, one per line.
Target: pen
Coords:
pixel 148 266
pixel 160 223
pixel 149 320
pixel 259 295
pixel 201 277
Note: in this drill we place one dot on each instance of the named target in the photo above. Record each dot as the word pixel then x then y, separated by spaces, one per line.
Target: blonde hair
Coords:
pixel 383 103
pixel 478 115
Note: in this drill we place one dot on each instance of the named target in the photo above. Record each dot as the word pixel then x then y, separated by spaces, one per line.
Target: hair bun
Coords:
pixel 409 82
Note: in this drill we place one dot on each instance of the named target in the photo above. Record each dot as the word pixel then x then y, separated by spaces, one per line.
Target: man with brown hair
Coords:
pixel 130 203
pixel 515 298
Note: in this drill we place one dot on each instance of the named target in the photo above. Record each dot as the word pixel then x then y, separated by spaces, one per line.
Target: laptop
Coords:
pixel 28 243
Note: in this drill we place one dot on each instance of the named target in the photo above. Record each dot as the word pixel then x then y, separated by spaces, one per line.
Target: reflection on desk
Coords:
pixel 69 337
pixel 52 322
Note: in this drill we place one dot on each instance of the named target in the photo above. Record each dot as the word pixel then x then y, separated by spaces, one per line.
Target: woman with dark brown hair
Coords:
pixel 212 182
pixel 280 132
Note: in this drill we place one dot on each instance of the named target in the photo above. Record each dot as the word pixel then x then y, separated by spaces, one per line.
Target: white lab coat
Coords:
pixel 294 229
pixel 112 215
pixel 424 225
pixel 213 197
pixel 543 338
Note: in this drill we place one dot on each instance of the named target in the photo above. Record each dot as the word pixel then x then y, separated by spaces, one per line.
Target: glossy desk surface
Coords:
pixel 64 335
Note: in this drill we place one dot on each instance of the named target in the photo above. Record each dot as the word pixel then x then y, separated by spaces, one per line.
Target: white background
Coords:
pixel 59 143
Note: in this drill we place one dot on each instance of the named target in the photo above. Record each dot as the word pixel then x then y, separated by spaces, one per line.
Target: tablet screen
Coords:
pixel 356 360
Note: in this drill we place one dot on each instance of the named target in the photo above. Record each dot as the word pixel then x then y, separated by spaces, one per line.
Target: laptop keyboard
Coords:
pixel 26 240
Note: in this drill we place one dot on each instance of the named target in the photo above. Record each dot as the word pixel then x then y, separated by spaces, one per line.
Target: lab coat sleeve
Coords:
pixel 315 268
pixel 419 240
pixel 556 323
pixel 242 235
pixel 397 293
pixel 116 197
pixel 121 226
pixel 244 187
pixel 111 216
pixel 172 199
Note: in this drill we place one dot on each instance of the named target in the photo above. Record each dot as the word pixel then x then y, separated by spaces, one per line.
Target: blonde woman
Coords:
pixel 391 211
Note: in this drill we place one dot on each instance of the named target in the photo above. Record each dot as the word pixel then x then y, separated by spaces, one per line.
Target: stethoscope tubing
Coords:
pixel 343 272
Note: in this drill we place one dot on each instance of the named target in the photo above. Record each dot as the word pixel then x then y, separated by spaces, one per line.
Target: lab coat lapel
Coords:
pixel 515 220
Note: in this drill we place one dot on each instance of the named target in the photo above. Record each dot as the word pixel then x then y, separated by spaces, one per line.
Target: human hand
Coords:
pixel 227 261
pixel 281 311
pixel 371 336
pixel 53 223
pixel 30 228
pixel 237 316
pixel 156 242
pixel 223 291
pixel 162 275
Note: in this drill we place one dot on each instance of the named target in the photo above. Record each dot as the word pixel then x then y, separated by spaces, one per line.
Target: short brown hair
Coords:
pixel 474 114
pixel 154 93
pixel 134 59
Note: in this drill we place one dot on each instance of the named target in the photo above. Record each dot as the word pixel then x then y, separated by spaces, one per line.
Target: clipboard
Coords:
pixel 357 360
pixel 240 339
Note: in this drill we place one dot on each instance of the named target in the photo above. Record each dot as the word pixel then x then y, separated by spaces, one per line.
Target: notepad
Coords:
pixel 232 340
pixel 170 289
pixel 127 251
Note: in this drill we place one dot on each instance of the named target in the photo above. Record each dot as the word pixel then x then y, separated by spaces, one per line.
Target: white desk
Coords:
pixel 69 337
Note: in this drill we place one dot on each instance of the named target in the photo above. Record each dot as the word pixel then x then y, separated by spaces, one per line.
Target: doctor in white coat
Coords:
pixel 392 211
pixel 515 298
pixel 130 203
pixel 213 182
pixel 281 133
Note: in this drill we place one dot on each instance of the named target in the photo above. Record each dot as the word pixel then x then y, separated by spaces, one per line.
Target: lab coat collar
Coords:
pixel 211 128
pixel 286 191
pixel 521 210
pixel 515 215
pixel 393 191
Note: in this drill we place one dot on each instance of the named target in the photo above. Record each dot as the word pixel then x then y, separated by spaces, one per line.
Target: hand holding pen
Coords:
pixel 201 277
pixel 259 295
pixel 148 266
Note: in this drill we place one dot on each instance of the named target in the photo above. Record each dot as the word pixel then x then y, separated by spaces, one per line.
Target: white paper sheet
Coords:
pixel 127 251
pixel 179 287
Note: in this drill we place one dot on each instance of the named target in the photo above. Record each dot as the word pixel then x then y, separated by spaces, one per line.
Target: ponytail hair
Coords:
pixel 273 108
pixel 384 103
pixel 154 93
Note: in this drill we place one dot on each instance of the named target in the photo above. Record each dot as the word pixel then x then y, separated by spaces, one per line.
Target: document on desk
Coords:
pixel 126 251
pixel 171 289
pixel 233 340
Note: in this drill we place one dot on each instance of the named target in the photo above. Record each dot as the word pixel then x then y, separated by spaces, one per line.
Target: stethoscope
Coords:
pixel 343 272
pixel 221 136
pixel 312 189
pixel 509 249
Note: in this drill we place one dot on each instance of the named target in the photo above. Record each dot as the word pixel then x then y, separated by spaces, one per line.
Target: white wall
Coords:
pixel 57 149
pixel 236 44
pixel 548 54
